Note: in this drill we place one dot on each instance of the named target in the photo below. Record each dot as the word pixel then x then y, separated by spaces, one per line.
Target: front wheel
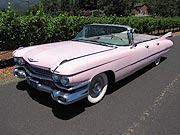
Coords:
pixel 97 88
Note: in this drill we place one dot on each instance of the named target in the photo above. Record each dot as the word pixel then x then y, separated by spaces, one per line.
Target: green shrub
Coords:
pixel 16 31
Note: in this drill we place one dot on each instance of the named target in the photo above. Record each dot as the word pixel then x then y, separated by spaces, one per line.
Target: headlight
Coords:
pixel 56 78
pixel 64 81
pixel 61 79
pixel 19 61
pixel 15 59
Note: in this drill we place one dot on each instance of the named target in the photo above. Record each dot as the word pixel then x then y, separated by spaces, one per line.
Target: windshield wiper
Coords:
pixel 75 39
pixel 103 44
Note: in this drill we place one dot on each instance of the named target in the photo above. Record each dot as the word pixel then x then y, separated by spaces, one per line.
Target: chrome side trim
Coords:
pixel 113 25
pixel 90 54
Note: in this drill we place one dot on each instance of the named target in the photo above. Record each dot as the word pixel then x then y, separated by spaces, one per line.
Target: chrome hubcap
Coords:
pixel 96 87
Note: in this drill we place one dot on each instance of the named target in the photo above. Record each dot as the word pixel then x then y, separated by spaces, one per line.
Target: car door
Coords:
pixel 138 57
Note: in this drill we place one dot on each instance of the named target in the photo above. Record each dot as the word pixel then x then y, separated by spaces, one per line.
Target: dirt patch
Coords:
pixel 6 59
pixel 6 73
pixel 6 65
pixel 5 55
pixel 176 34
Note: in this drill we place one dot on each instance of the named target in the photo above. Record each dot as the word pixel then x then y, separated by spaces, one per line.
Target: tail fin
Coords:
pixel 169 34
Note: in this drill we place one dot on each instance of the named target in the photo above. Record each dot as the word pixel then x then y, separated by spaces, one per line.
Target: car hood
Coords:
pixel 51 55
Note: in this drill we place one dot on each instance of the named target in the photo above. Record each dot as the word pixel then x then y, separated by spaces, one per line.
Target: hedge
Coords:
pixel 16 31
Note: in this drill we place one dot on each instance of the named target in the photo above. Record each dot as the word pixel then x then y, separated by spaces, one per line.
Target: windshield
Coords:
pixel 104 34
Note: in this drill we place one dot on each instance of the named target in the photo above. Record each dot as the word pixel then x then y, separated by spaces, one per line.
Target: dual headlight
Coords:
pixel 62 79
pixel 19 61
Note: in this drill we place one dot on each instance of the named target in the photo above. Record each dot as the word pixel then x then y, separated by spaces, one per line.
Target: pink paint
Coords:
pixel 85 60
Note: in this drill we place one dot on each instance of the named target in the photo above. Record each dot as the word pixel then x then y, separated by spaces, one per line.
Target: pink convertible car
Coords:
pixel 84 66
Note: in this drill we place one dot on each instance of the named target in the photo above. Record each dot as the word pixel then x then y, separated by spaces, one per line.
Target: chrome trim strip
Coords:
pixel 98 66
pixel 112 25
pixel 85 56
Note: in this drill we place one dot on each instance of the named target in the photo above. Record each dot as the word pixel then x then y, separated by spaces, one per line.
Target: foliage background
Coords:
pixel 109 7
pixel 41 27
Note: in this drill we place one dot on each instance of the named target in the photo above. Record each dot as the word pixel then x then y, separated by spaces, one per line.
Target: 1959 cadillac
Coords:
pixel 84 66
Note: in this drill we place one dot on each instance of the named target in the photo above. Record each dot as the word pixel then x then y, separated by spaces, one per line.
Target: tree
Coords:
pixel 111 7
pixel 163 7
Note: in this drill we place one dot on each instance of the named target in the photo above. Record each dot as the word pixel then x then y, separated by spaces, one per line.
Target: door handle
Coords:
pixel 147 46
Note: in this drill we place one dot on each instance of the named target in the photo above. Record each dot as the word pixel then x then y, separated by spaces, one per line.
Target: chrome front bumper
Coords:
pixel 58 95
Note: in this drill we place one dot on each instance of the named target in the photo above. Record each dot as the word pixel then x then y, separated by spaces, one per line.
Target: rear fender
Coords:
pixel 167 35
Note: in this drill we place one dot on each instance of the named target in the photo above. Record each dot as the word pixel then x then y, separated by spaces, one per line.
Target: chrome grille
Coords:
pixel 47 83
pixel 38 71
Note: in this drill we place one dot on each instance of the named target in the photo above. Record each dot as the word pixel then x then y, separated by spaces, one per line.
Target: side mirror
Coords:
pixel 131 37
pixel 133 30
pixel 133 45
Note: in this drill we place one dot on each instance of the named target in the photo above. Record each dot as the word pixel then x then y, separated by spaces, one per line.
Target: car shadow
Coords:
pixel 66 112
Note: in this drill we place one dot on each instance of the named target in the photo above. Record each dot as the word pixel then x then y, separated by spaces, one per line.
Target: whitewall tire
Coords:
pixel 97 88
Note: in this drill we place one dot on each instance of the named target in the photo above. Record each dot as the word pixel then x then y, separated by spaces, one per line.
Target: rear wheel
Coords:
pixel 97 88
pixel 157 61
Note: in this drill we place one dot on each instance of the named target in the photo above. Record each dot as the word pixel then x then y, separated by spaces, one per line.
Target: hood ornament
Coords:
pixel 32 60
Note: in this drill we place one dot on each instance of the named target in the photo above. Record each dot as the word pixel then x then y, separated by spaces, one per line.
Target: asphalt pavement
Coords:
pixel 146 103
